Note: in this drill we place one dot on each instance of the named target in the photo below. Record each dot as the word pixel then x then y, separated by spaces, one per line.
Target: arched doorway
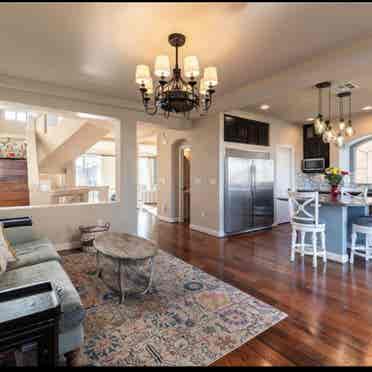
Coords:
pixel 185 183
pixel 181 159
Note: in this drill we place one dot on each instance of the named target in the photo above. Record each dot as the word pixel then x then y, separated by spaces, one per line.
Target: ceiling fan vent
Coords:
pixel 349 85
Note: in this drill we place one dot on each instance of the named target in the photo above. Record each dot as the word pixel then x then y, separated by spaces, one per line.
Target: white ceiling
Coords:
pixel 96 46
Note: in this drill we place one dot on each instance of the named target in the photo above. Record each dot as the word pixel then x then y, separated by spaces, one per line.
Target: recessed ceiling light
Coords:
pixel 264 107
pixel 84 115
pixel 310 119
pixel 367 108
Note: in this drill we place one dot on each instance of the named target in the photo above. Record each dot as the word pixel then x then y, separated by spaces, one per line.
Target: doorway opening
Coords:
pixel 185 184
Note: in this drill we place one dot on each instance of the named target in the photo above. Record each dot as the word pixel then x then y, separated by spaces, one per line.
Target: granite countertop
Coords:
pixel 326 199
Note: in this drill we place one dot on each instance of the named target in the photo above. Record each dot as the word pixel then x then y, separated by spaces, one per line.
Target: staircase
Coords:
pixel 69 143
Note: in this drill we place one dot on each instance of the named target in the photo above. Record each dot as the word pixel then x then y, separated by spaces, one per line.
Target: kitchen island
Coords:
pixel 338 215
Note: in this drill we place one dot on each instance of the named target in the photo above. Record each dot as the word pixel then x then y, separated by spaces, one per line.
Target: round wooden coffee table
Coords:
pixel 126 251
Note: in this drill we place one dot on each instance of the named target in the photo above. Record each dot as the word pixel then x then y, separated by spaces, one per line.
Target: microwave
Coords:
pixel 313 165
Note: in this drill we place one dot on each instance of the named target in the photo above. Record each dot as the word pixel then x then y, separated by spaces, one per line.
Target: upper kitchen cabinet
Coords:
pixel 241 130
pixel 314 147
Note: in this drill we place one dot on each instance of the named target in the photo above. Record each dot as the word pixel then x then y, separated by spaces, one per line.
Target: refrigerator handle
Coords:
pixel 253 185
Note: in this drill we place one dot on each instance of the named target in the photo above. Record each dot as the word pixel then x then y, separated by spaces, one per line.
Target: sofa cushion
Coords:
pixel 72 310
pixel 33 252
pixel 5 245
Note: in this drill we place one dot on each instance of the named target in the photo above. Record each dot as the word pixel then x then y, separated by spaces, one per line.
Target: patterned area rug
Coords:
pixel 189 318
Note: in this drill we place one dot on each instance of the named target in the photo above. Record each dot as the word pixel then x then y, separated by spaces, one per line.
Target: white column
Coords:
pixel 127 173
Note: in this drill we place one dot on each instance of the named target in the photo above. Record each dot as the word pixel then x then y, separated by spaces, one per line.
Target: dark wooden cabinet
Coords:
pixel 13 183
pixel 241 130
pixel 313 145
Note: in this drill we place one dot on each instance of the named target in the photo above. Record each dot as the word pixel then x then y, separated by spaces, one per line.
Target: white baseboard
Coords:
pixel 341 258
pixel 207 230
pixel 168 219
pixel 330 256
pixel 68 245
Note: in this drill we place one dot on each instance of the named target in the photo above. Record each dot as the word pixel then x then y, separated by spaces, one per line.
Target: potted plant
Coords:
pixel 334 176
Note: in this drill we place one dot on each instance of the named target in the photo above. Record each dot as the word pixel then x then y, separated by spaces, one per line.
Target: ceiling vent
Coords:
pixel 346 86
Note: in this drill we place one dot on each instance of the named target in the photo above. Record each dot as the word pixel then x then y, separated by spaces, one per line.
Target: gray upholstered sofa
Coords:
pixel 37 260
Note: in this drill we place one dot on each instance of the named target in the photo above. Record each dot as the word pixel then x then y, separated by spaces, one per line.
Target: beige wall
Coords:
pixel 207 165
pixel 168 172
pixel 13 129
pixel 205 141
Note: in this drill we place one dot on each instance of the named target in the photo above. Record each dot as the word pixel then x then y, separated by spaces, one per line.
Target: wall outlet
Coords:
pixel 212 181
pixel 197 180
pixel 203 214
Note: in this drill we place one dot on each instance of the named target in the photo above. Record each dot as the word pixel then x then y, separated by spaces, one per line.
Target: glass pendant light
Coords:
pixel 341 123
pixel 319 123
pixel 340 139
pixel 349 129
pixel 329 134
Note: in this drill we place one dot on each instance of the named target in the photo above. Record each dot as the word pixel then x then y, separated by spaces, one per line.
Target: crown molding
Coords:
pixel 34 86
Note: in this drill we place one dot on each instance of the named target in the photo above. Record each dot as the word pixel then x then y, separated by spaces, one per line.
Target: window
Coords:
pixel 10 115
pixel 361 154
pixel 15 115
pixel 89 170
pixel 22 116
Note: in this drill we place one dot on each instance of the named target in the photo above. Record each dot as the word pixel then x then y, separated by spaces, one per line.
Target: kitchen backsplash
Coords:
pixel 307 181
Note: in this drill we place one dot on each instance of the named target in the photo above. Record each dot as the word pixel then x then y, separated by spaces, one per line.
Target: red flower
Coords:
pixel 344 173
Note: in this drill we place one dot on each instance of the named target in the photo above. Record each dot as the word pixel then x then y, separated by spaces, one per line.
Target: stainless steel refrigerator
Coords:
pixel 249 191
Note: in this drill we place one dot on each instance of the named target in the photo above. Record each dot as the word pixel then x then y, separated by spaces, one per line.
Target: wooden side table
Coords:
pixel 89 233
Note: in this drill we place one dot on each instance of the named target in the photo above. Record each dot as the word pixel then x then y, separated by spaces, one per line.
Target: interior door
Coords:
pixel 284 171
pixel 238 194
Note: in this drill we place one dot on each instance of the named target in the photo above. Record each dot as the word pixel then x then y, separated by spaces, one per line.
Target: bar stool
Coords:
pixel 363 226
pixel 305 221
pixel 354 192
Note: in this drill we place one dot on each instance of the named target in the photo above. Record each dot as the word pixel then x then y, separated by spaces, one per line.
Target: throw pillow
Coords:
pixel 9 252
pixel 3 262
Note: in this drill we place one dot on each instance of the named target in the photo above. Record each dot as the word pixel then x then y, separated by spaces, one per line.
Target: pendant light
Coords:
pixel 319 123
pixel 349 131
pixel 340 139
pixel 325 128
pixel 329 134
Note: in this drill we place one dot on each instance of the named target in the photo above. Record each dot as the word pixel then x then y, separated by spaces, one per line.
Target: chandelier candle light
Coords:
pixel 178 93
pixel 324 127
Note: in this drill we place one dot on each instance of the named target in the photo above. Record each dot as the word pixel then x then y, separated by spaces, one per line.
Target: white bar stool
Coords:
pixel 363 226
pixel 305 221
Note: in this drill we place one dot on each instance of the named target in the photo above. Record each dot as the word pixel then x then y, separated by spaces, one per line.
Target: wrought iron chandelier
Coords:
pixel 324 127
pixel 179 93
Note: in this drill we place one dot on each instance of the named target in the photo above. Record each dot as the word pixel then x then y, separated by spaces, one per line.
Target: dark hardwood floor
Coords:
pixel 329 308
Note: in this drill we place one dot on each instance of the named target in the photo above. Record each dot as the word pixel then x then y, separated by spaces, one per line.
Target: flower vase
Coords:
pixel 334 192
